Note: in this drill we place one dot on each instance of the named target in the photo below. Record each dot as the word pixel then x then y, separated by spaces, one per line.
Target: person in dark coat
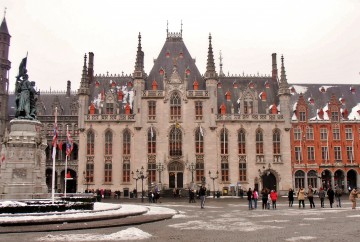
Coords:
pixel 291 197
pixel 249 198
pixel 331 195
pixel 264 198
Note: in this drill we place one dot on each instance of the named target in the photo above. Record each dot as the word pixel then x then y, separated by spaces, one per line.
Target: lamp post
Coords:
pixel 141 175
pixel 86 179
pixel 192 168
pixel 135 178
pixel 160 167
pixel 213 178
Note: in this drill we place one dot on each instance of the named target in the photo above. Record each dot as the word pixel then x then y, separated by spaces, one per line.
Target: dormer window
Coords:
pixel 302 116
pixel 334 116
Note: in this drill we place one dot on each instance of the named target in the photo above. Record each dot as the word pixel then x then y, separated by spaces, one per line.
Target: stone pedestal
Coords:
pixel 22 174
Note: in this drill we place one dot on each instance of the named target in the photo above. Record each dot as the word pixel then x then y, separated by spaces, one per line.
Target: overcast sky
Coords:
pixel 320 39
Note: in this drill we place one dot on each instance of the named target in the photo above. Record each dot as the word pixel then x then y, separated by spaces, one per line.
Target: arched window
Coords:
pixel 276 142
pixel 151 141
pixel 175 106
pixel 90 143
pixel 241 142
pixel 224 142
pixel 126 142
pixel 175 142
pixel 108 172
pixel 259 142
pixel 199 141
pixel 299 179
pixel 108 143
pixel 312 178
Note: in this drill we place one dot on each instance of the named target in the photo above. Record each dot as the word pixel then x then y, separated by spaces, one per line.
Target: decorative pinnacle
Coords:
pixel 5 12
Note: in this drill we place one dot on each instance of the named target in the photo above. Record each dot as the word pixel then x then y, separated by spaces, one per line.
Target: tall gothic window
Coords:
pixel 108 143
pixel 241 142
pixel 126 142
pixel 276 142
pixel 199 171
pixel 151 172
pixel 224 142
pixel 224 171
pixel 259 142
pixel 89 173
pixel 151 141
pixel 175 106
pixel 198 110
pixel 175 141
pixel 90 143
pixel 152 110
pixel 242 170
pixel 126 172
pixel 199 141
pixel 108 172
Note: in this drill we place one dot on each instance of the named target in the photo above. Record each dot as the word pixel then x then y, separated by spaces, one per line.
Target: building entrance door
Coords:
pixel 179 180
pixel 269 181
pixel 171 179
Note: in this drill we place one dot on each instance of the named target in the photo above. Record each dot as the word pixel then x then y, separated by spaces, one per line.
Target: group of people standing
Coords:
pixel 330 193
pixel 267 197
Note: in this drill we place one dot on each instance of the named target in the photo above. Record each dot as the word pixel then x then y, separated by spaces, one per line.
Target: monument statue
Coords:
pixel 25 94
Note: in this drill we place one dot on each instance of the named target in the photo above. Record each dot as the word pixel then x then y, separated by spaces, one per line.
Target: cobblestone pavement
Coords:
pixel 230 220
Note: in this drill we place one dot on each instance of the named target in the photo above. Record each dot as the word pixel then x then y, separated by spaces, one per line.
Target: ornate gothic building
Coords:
pixel 177 128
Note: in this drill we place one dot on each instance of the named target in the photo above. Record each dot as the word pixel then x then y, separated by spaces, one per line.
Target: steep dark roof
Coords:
pixel 174 47
pixel 3 27
pixel 321 95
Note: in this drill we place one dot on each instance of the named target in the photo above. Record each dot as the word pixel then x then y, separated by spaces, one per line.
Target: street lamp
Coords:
pixel 141 175
pixel 160 167
pixel 213 178
pixel 86 179
pixel 136 178
pixel 192 168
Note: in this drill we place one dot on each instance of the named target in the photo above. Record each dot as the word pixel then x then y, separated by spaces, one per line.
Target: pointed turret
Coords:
pixel 284 96
pixel 283 84
pixel 84 83
pixel 221 73
pixel 139 63
pixel 210 66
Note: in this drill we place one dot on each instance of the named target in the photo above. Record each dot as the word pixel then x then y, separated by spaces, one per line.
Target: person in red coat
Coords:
pixel 274 197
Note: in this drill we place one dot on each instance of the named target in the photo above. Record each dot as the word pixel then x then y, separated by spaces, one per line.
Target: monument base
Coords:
pixel 22 174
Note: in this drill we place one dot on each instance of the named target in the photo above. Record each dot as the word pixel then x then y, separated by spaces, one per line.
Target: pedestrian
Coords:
pixel 202 194
pixel 331 195
pixel 268 200
pixel 338 194
pixel 241 193
pixel 174 192
pixel 301 197
pixel 353 195
pixel 274 197
pixel 291 197
pixel 249 198
pixel 264 198
pixel 322 196
pixel 310 196
pixel 255 197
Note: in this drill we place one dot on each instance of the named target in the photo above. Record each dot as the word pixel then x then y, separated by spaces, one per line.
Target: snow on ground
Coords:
pixel 126 234
pixel 160 210
pixel 300 238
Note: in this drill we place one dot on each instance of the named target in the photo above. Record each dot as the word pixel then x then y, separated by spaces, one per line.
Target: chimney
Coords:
pixel 91 67
pixel 274 68
pixel 68 88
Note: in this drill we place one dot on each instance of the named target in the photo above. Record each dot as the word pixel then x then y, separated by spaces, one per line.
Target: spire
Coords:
pixel 84 80
pixel 283 85
pixel 221 73
pixel 139 63
pixel 3 26
pixel 210 66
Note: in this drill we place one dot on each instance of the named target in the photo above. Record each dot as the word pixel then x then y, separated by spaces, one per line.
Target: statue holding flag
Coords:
pixel 25 93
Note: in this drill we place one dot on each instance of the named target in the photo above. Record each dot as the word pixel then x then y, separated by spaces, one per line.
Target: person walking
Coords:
pixel 274 197
pixel 264 198
pixel 310 196
pixel 255 197
pixel 301 197
pixel 338 194
pixel 291 197
pixel 249 198
pixel 322 196
pixel 331 195
pixel 202 194
pixel 353 195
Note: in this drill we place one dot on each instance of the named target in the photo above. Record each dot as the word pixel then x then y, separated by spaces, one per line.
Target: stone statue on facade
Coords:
pixel 25 94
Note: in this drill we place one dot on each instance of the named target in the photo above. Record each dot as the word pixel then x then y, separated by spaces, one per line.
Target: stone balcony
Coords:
pixel 110 117
pixel 251 117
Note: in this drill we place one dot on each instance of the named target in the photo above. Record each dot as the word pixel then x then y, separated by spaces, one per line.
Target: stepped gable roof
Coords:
pixel 317 97
pixel 227 84
pixel 174 47
pixel 3 27
pixel 47 99
pixel 105 84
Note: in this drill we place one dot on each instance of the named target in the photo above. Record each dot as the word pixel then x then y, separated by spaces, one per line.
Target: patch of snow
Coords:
pixel 300 89
pixel 314 218
pixel 354 115
pixel 126 234
pixel 160 210
pixel 301 238
pixel 294 106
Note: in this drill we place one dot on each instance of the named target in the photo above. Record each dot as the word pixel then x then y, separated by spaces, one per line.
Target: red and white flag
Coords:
pixel 69 144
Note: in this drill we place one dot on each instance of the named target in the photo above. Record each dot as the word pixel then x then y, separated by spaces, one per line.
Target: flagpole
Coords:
pixel 66 159
pixel 53 168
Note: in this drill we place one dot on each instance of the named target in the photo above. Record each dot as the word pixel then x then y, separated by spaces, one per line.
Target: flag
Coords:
pixel 22 67
pixel 69 144
pixel 60 145
pixel 201 131
pixel 151 132
pixel 55 136
pixel 2 158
